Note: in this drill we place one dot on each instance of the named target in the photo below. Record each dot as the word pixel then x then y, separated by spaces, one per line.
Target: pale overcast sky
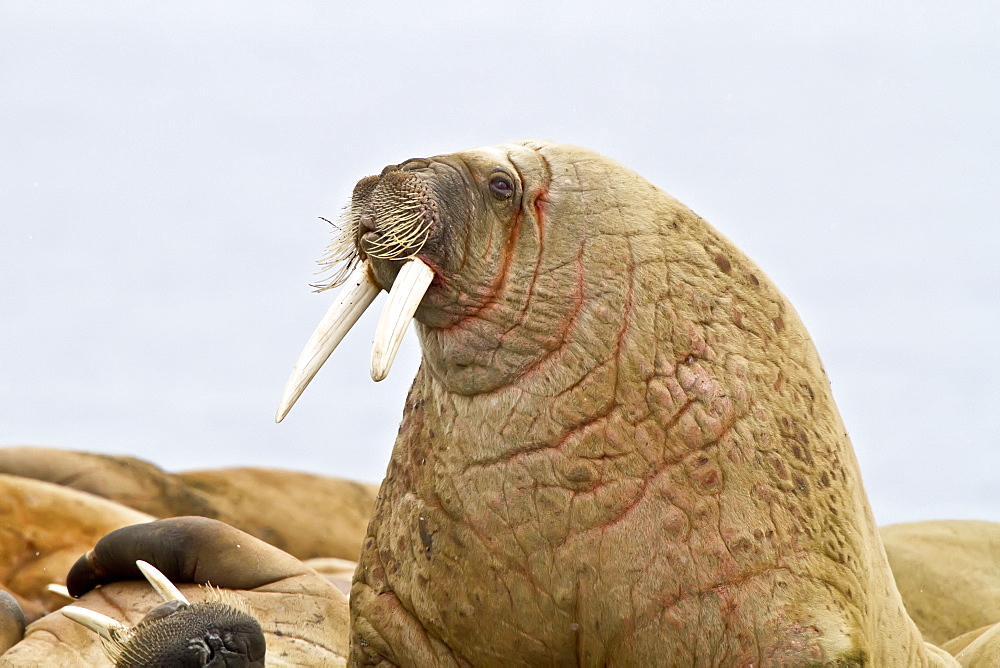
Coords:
pixel 163 167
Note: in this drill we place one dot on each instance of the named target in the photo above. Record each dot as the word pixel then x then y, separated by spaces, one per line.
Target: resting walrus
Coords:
pixel 948 573
pixel 620 447
pixel 308 515
pixel 302 615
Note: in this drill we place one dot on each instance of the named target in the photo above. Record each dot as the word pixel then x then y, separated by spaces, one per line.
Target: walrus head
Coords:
pixel 620 446
pixel 441 235
pixel 221 631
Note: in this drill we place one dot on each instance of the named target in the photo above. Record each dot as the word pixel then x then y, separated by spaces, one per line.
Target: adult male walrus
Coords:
pixel 620 447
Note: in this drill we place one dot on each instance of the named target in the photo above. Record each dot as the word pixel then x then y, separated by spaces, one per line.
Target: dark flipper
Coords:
pixel 185 549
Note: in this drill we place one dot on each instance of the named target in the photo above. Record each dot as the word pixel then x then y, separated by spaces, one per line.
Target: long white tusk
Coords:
pixel 356 296
pixel 163 586
pixel 95 621
pixel 408 289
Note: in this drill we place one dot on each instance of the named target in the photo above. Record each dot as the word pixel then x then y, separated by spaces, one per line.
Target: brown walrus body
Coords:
pixel 303 617
pixel 620 447
pixel 279 506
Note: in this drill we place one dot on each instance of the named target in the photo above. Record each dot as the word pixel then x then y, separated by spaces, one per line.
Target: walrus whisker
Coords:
pixel 341 256
pixel 227 597
pixel 131 655
pixel 402 231
pixel 352 301
pixel 399 242
pixel 408 289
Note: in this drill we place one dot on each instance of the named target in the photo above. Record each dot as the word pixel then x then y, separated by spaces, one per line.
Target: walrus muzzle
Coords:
pixel 390 220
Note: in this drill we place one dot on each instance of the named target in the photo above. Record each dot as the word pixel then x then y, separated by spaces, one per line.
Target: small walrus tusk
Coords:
pixel 357 295
pixel 59 590
pixel 408 289
pixel 102 625
pixel 163 586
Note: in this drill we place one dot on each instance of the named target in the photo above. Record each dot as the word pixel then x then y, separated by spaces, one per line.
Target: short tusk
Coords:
pixel 408 289
pixel 59 590
pixel 100 624
pixel 357 295
pixel 163 586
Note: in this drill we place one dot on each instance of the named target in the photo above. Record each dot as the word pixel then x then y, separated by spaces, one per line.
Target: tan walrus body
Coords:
pixel 948 573
pixel 620 447
pixel 308 515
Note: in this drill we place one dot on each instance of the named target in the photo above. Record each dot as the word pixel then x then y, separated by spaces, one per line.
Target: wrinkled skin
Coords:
pixel 290 510
pixel 620 447
pixel 561 495
pixel 303 616
pixel 951 551
pixel 948 573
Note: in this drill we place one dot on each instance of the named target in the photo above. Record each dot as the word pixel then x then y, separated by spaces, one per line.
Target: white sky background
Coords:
pixel 163 167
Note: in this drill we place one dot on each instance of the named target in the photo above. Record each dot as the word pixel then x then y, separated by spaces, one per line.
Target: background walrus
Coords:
pixel 620 446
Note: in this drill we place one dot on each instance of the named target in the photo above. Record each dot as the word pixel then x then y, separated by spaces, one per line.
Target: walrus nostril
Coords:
pixel 366 228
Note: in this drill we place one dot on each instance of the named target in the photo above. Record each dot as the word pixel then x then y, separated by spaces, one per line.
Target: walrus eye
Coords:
pixel 502 187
